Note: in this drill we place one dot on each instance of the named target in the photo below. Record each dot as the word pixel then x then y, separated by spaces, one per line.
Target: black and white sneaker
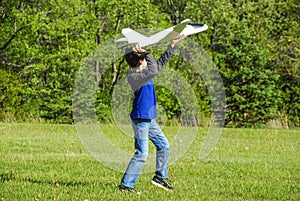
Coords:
pixel 162 183
pixel 127 189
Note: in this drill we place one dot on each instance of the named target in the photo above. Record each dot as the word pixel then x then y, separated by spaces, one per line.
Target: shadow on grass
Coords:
pixel 4 177
pixel 7 177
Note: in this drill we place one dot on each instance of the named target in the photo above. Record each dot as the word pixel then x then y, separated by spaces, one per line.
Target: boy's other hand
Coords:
pixel 177 39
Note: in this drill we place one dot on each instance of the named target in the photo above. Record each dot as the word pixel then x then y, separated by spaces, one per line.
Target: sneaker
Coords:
pixel 127 189
pixel 162 183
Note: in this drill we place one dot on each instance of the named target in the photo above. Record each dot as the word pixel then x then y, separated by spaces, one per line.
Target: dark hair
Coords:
pixel 133 58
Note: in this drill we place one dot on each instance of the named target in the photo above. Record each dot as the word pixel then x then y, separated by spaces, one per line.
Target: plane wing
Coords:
pixel 134 37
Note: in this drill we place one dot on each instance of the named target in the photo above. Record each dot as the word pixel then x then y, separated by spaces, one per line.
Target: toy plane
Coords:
pixel 134 37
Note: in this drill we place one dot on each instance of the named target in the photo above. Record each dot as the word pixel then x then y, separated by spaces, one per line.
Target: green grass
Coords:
pixel 48 162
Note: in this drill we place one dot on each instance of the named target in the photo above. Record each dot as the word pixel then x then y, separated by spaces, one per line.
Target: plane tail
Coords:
pixel 133 36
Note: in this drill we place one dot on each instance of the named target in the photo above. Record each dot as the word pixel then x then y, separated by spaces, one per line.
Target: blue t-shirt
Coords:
pixel 144 102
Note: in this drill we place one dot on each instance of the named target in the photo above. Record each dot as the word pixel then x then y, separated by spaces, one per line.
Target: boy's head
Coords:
pixel 133 59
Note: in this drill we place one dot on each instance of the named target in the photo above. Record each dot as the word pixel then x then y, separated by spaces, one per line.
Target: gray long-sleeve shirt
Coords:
pixel 138 79
pixel 144 102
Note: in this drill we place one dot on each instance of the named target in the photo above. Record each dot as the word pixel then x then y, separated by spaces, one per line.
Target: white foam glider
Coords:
pixel 134 37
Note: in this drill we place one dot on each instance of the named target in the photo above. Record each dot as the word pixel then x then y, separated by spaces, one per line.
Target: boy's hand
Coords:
pixel 137 49
pixel 177 39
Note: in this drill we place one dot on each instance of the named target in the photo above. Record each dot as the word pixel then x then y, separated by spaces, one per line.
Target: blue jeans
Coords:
pixel 142 132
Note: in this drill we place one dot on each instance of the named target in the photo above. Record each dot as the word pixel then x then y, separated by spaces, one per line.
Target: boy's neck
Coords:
pixel 139 68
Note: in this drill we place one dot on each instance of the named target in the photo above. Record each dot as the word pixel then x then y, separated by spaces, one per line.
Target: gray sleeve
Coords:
pixel 137 79
pixel 165 57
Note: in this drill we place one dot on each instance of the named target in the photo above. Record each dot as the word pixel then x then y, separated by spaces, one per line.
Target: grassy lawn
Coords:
pixel 48 162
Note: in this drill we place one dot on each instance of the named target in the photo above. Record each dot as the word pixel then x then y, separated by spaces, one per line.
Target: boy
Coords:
pixel 143 69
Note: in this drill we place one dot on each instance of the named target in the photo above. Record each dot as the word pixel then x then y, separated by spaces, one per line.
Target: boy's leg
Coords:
pixel 162 149
pixel 138 160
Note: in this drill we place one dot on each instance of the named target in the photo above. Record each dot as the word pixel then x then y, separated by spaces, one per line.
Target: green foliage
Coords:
pixel 47 57
pixel 243 36
pixel 254 45
pixel 9 96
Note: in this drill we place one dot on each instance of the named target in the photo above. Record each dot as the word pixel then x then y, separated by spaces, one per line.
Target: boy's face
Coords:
pixel 144 63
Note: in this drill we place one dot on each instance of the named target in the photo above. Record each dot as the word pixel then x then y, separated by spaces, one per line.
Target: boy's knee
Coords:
pixel 164 146
pixel 165 149
pixel 141 157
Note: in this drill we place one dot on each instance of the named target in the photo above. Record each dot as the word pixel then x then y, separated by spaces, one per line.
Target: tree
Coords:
pixel 254 45
pixel 238 47
pixel 45 54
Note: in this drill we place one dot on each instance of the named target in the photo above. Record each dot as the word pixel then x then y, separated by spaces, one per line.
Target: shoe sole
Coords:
pixel 161 186
pixel 130 191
